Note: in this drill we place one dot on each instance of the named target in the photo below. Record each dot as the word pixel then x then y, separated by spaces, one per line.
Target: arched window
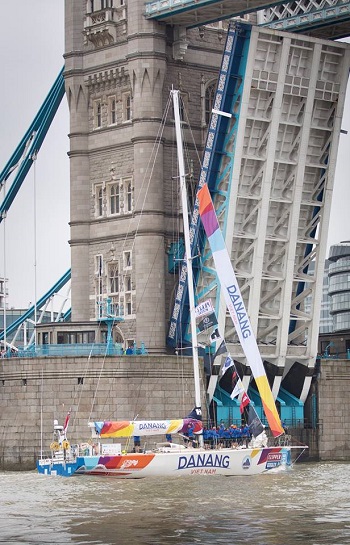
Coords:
pixel 128 197
pixel 113 278
pixel 99 201
pixel 127 283
pixel 126 101
pixel 114 199
pixel 209 101
pixel 97 114
pixel 112 110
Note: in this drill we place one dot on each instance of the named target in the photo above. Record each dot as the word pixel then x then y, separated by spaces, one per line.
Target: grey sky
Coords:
pixel 31 56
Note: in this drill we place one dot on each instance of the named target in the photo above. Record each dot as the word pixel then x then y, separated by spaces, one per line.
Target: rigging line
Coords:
pixel 102 367
pixel 5 272
pixel 191 133
pixel 150 270
pixel 181 377
pixel 41 412
pixel 160 246
pixel 34 157
pixel 151 161
pixel 161 285
pixel 193 179
pixel 149 167
pixel 107 397
pixel 80 391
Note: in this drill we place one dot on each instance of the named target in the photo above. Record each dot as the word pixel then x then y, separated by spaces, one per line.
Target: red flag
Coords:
pixel 66 422
pixel 244 402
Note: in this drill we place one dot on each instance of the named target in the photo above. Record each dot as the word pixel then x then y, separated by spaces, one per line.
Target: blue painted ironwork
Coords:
pixel 196 13
pixel 108 315
pixel 307 17
pixel 74 350
pixel 175 255
pixel 229 84
pixel 31 311
pixel 324 18
pixel 27 150
pixel 161 8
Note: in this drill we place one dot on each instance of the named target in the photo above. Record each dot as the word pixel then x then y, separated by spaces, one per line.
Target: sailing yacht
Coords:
pixel 169 459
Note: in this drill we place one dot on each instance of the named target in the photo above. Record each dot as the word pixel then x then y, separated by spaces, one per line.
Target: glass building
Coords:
pixel 339 285
pixel 326 321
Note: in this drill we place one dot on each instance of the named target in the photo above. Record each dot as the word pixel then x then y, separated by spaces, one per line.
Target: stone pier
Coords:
pixel 35 392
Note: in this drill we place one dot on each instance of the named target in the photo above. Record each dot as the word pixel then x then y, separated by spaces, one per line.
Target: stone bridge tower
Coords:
pixel 119 69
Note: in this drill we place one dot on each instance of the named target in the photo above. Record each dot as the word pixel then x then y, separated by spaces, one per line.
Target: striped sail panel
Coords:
pixel 236 307
pixel 146 427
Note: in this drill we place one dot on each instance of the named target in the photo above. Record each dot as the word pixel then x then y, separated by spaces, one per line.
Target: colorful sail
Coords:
pixel 236 306
pixel 146 427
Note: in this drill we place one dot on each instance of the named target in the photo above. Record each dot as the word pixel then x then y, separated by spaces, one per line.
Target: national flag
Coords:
pixel 244 402
pixel 238 389
pixel 221 350
pixel 66 422
pixel 226 365
pixel 206 307
pixel 255 425
pixel 207 322
pixel 215 335
pixel 196 413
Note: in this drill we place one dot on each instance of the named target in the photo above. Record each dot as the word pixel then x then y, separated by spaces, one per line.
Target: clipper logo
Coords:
pixel 273 460
pixel 241 314
pixel 204 460
pixel 246 463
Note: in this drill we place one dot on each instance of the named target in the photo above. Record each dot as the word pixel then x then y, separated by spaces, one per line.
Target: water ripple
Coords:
pixel 307 505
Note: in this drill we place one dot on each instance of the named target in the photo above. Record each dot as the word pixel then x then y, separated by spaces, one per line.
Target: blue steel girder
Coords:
pixel 31 311
pixel 216 160
pixel 26 152
pixel 324 18
pixel 194 13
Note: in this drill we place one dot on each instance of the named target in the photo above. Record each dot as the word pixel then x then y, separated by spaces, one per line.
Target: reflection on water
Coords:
pixel 310 504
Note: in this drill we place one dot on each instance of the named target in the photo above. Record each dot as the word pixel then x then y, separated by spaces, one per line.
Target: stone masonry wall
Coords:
pixel 334 410
pixel 35 392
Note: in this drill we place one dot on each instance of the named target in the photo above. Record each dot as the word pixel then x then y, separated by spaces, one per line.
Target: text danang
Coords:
pixel 241 314
pixel 153 426
pixel 204 460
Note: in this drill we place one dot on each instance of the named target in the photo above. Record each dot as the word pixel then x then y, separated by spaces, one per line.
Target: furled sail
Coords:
pixel 140 428
pixel 236 307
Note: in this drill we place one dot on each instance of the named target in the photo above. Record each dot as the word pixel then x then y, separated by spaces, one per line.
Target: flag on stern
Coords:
pixel 237 384
pixel 221 350
pixel 226 365
pixel 244 402
pixel 207 322
pixel 66 422
pixel 255 425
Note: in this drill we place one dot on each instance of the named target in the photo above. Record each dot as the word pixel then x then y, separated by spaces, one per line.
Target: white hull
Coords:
pixel 182 462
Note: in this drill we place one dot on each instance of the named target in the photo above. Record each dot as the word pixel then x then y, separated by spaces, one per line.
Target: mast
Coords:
pixel 188 256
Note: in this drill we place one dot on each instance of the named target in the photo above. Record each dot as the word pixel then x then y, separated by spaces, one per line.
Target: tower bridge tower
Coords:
pixel 119 68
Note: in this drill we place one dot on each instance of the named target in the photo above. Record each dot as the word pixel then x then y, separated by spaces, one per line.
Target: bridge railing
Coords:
pixel 84 349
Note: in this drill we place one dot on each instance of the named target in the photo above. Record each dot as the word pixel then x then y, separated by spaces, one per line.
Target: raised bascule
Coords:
pixel 265 110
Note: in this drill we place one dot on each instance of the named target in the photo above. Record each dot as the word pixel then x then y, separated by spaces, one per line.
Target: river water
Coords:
pixel 308 505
